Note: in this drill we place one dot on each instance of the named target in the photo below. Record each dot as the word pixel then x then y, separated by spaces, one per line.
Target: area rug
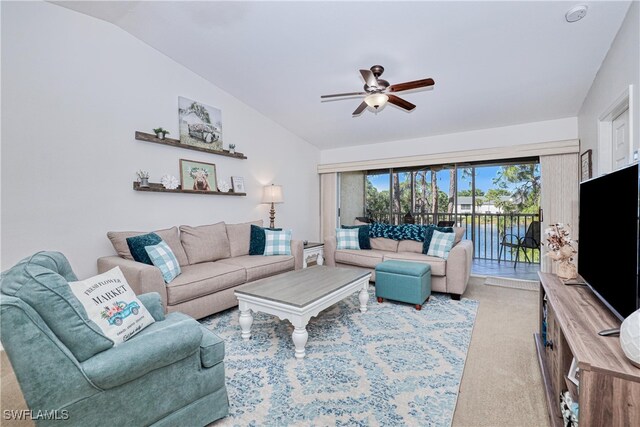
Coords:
pixel 390 366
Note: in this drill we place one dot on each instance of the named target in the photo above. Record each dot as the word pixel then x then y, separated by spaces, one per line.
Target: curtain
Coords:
pixel 328 204
pixel 559 198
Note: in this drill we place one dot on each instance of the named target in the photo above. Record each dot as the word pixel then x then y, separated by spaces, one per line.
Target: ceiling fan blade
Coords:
pixel 369 78
pixel 360 109
pixel 411 85
pixel 337 95
pixel 406 105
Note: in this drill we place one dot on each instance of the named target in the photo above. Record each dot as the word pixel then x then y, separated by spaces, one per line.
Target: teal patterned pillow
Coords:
pixel 137 246
pixel 428 235
pixel 257 239
pixel 363 235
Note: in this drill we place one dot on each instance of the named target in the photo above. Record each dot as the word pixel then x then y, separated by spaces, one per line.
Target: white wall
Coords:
pixel 620 68
pixel 528 133
pixel 74 91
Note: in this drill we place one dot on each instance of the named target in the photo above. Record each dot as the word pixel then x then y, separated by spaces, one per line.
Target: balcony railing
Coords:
pixel 485 229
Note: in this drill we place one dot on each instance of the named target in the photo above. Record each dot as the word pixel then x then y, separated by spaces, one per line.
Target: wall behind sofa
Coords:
pixel 74 91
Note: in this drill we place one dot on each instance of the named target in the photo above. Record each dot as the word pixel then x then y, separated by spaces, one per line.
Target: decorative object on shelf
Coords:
pixel 561 250
pixel 630 337
pixel 272 194
pixel 170 182
pixel 143 178
pixel 223 186
pixel 200 125
pixel 232 148
pixel 585 165
pixel 160 133
pixel 197 176
pixel 238 184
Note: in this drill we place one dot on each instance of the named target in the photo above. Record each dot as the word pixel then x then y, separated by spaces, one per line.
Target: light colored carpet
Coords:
pixel 393 365
pixel 509 282
pixel 501 384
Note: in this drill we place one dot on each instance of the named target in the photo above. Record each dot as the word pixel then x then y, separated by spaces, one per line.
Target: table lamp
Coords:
pixel 272 194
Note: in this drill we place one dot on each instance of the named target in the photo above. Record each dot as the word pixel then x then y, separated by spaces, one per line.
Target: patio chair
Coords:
pixel 531 240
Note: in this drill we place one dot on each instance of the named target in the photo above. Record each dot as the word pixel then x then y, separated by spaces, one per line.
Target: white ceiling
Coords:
pixel 494 63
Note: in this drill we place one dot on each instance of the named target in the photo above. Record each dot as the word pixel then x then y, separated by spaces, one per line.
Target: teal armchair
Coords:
pixel 171 373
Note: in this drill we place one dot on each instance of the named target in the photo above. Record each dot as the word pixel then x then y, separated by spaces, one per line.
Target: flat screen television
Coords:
pixel 608 239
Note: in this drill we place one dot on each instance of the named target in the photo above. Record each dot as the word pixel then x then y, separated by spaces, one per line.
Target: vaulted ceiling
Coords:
pixel 494 63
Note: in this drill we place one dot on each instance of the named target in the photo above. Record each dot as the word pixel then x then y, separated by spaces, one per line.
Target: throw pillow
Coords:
pixel 428 234
pixel 137 244
pixel 441 244
pixel 277 242
pixel 111 303
pixel 256 239
pixel 363 235
pixel 162 257
pixel 347 238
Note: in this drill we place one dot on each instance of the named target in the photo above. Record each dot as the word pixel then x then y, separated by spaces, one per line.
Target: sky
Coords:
pixel 484 180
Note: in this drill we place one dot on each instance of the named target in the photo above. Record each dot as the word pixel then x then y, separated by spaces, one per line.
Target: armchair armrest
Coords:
pixel 141 277
pixel 297 250
pixel 153 302
pixel 159 347
pixel 330 251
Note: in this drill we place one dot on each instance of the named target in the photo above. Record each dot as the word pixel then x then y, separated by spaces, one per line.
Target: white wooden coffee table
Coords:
pixel 299 295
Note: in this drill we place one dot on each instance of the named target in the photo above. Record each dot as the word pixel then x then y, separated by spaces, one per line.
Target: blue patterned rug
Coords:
pixel 390 366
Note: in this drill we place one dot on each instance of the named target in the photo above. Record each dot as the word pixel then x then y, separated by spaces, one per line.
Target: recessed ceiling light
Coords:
pixel 576 13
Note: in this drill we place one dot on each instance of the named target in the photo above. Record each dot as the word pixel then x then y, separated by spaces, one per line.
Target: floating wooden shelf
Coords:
pixel 141 136
pixel 159 188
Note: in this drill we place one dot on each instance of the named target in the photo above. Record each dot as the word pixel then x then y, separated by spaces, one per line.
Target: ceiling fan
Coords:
pixel 378 91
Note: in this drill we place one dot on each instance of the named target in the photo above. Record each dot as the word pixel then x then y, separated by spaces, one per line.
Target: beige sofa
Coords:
pixel 449 276
pixel 214 259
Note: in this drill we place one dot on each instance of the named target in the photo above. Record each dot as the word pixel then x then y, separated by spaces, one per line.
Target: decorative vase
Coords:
pixel 567 270
pixel 232 150
pixel 144 182
pixel 160 135
pixel 630 337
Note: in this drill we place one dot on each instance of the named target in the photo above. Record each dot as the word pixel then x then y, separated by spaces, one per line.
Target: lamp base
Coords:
pixel 272 216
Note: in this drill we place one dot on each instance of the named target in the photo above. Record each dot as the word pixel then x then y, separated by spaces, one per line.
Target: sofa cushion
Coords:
pixel 211 348
pixel 438 265
pixel 359 258
pixel 410 246
pixel 261 266
pixel 239 237
pixel 384 244
pixel 170 236
pixel 205 243
pixel 203 279
pixel 41 281
pixel 459 234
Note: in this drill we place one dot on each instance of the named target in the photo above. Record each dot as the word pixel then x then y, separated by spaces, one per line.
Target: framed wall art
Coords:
pixel 197 176
pixel 238 184
pixel 200 125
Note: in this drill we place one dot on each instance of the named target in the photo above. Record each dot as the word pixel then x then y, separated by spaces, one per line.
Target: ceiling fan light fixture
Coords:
pixel 376 100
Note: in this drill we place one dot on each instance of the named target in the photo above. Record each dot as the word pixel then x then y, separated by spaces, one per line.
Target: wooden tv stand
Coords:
pixel 609 391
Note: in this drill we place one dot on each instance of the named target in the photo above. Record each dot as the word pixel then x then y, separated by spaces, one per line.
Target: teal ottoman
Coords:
pixel 403 281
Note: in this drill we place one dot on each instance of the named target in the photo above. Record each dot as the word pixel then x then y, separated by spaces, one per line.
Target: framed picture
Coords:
pixel 574 372
pixel 238 184
pixel 585 165
pixel 200 124
pixel 197 176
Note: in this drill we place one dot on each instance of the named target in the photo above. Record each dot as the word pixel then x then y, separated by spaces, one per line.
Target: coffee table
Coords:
pixel 299 295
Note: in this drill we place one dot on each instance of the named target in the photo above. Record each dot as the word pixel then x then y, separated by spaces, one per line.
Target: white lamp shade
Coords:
pixel 272 194
pixel 376 100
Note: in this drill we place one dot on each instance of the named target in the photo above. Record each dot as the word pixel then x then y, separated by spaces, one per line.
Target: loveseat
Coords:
pixel 448 276
pixel 214 260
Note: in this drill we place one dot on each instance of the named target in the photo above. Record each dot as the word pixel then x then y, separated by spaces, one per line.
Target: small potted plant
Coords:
pixel 160 132
pixel 232 148
pixel 143 178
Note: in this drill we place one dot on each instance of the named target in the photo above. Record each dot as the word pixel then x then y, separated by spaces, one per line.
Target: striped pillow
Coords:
pixel 162 257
